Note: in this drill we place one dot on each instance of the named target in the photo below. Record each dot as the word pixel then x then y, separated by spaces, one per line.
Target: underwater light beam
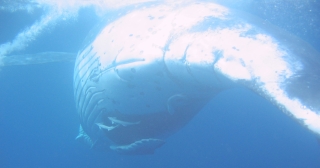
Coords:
pixel 58 10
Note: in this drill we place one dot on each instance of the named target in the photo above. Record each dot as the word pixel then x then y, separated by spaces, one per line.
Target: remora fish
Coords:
pixel 114 120
pixel 109 128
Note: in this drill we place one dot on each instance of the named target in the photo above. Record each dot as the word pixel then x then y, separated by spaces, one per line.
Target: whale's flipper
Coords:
pixel 37 58
pixel 140 147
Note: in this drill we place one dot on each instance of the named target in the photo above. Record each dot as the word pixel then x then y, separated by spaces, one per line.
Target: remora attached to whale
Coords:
pixel 156 67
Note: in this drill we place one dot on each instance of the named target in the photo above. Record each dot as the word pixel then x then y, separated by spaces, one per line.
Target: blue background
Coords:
pixel 39 123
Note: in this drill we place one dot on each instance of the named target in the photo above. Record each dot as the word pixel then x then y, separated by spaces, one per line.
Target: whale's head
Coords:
pixel 128 91
pixel 147 74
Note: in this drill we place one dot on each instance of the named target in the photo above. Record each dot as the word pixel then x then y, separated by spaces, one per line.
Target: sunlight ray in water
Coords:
pixel 38 58
pixel 57 10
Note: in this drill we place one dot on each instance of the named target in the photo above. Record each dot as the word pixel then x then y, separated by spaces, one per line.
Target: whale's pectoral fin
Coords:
pixel 140 147
pixel 38 58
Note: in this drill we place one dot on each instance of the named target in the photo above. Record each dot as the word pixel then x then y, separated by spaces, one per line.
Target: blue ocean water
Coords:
pixel 39 123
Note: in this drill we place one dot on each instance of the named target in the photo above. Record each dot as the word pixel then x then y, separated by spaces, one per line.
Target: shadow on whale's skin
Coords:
pixel 148 73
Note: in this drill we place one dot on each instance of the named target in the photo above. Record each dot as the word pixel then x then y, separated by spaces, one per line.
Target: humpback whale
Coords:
pixel 148 73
